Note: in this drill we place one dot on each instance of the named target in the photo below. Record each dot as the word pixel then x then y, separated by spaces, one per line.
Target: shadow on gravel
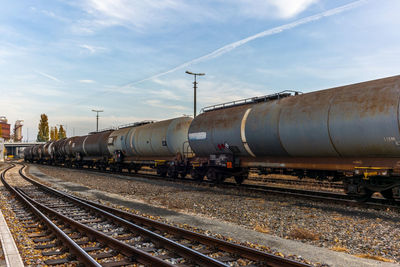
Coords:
pixel 38 174
pixel 370 214
pixel 145 208
pixel 76 188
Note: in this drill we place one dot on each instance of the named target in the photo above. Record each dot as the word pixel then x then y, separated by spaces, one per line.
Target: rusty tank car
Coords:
pixel 90 150
pixel 349 132
pixel 161 145
pixel 28 154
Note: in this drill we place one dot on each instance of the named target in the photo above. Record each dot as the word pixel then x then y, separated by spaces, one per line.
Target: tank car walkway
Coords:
pixel 10 250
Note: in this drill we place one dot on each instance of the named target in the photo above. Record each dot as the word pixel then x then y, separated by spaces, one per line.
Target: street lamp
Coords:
pixel 97 118
pixel 195 87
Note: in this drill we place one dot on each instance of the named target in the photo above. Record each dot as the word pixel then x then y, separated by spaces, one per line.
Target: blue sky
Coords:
pixel 128 57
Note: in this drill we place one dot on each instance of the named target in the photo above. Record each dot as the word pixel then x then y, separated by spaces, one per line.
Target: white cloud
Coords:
pixel 141 14
pixel 92 49
pixel 275 8
pixel 210 91
pixel 229 47
pixel 133 14
pixel 86 81
pixel 290 8
pixel 381 63
pixel 159 104
pixel 167 94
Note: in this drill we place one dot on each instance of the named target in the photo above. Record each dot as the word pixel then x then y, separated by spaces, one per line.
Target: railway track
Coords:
pixel 325 196
pixel 86 232
pixel 331 197
pixel 325 184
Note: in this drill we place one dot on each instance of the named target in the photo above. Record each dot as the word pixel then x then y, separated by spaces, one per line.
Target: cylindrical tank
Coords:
pixel 213 129
pixel 28 153
pixel 65 147
pixel 117 141
pixel 75 146
pixel 57 147
pixel 96 144
pixel 354 120
pixel 47 149
pixel 160 139
pixel 35 154
pixel 40 151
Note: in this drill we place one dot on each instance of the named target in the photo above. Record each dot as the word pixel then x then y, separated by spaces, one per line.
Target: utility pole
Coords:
pixel 97 118
pixel 195 88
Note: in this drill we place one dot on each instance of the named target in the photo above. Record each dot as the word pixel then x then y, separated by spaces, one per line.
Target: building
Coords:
pixel 4 128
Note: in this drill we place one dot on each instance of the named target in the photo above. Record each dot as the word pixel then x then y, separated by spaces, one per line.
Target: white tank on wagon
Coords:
pixel 159 139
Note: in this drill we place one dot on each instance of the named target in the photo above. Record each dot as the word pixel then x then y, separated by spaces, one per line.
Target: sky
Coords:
pixel 65 58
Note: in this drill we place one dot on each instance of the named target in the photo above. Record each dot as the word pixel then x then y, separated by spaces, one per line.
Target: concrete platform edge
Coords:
pixel 11 253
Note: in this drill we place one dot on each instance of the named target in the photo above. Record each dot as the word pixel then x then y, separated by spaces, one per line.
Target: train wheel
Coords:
pixel 239 179
pixel 162 171
pixel 197 175
pixel 388 194
pixel 214 176
pixel 172 173
pixel 365 196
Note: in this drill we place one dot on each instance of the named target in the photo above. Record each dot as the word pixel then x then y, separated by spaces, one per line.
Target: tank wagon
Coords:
pixel 28 154
pixel 348 133
pixel 162 145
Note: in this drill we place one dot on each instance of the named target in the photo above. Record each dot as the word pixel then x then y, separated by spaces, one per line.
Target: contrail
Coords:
pixel 276 30
pixel 47 76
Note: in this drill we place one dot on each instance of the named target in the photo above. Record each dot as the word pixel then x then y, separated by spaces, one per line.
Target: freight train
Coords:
pixel 349 133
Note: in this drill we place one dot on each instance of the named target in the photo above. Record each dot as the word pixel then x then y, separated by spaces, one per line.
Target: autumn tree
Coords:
pixel 61 133
pixel 43 133
pixel 52 137
pixel 55 133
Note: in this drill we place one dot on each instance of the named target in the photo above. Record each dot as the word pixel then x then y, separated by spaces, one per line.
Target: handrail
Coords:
pixel 251 100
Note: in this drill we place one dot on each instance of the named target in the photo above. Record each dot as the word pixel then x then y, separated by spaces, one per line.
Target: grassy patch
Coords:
pixel 374 257
pixel 300 233
pixel 261 228
pixel 339 249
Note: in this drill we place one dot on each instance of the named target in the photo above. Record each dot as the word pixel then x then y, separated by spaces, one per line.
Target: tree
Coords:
pixel 61 133
pixel 55 133
pixel 52 134
pixel 43 133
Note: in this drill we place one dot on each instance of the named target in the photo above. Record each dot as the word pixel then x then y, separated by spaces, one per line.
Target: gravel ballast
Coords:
pixel 362 232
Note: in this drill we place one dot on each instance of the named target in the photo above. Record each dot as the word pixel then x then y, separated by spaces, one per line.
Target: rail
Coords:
pixel 74 248
pixel 133 124
pixel 251 100
pixel 142 225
